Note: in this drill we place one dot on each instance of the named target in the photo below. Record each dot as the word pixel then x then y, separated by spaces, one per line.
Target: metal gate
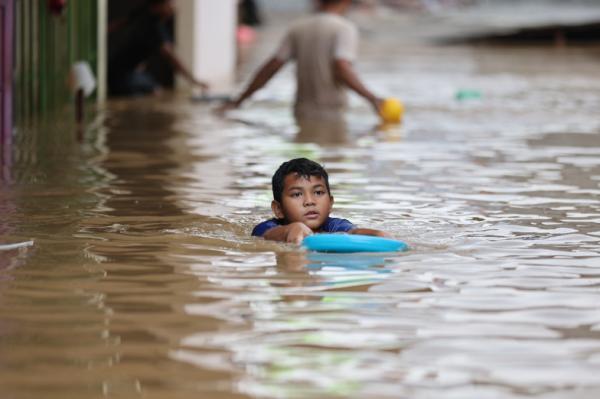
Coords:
pixel 47 44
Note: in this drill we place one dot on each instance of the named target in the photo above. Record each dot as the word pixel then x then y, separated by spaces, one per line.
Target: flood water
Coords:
pixel 136 275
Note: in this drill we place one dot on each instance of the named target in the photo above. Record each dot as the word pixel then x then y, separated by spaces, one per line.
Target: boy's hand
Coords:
pixel 293 233
pixel 296 232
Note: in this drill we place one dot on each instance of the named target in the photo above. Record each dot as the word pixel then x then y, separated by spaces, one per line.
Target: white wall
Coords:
pixel 102 50
pixel 206 43
pixel 286 5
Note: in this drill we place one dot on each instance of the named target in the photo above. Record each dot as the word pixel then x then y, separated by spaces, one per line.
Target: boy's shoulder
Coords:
pixel 260 229
pixel 331 225
pixel 336 225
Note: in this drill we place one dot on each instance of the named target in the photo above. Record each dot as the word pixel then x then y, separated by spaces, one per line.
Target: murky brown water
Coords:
pixel 141 279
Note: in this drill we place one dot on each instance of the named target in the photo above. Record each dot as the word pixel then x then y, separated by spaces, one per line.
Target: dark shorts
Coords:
pixel 132 84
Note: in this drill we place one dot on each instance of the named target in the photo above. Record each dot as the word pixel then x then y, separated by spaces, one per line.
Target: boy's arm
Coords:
pixel 370 232
pixel 293 232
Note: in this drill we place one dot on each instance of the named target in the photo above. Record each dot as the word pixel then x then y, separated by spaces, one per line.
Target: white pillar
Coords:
pixel 102 49
pixel 206 43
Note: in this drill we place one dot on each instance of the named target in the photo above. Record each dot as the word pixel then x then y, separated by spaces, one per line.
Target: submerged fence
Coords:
pixel 6 64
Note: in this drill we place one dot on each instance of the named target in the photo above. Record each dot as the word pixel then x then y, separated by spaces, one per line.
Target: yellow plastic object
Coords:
pixel 391 110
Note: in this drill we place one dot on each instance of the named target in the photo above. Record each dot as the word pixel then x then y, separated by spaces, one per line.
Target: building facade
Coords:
pixel 41 40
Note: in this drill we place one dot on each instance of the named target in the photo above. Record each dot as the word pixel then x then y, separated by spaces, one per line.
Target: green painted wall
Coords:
pixel 46 47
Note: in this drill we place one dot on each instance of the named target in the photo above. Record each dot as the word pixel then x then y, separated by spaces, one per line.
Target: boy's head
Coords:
pixel 301 193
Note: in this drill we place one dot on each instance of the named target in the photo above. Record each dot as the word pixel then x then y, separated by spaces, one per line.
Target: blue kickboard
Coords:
pixel 346 243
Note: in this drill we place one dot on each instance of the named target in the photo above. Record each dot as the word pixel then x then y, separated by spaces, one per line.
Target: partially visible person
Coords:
pixel 249 13
pixel 302 202
pixel 324 46
pixel 147 34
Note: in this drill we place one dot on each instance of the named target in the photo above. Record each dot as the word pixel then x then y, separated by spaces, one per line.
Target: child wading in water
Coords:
pixel 302 202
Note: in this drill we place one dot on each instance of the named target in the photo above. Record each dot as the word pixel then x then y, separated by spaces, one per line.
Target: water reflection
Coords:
pixel 321 271
pixel 299 339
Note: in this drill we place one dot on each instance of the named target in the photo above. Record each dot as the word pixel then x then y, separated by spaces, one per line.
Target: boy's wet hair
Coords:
pixel 300 166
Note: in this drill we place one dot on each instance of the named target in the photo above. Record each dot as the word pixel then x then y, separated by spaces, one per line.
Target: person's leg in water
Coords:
pixel 326 127
pixel 135 83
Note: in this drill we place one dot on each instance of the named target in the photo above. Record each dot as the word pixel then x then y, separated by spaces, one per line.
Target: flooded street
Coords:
pixel 137 275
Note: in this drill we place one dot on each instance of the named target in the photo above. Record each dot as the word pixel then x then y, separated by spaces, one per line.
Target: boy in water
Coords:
pixel 301 203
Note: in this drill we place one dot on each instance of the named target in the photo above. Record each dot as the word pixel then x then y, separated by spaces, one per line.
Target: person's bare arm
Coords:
pixel 167 51
pixel 293 232
pixel 345 73
pixel 370 232
pixel 264 74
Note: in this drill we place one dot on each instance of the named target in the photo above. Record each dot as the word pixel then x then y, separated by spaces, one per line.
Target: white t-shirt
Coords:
pixel 314 43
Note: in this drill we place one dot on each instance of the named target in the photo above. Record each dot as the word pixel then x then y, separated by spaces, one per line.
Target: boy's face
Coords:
pixel 304 200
